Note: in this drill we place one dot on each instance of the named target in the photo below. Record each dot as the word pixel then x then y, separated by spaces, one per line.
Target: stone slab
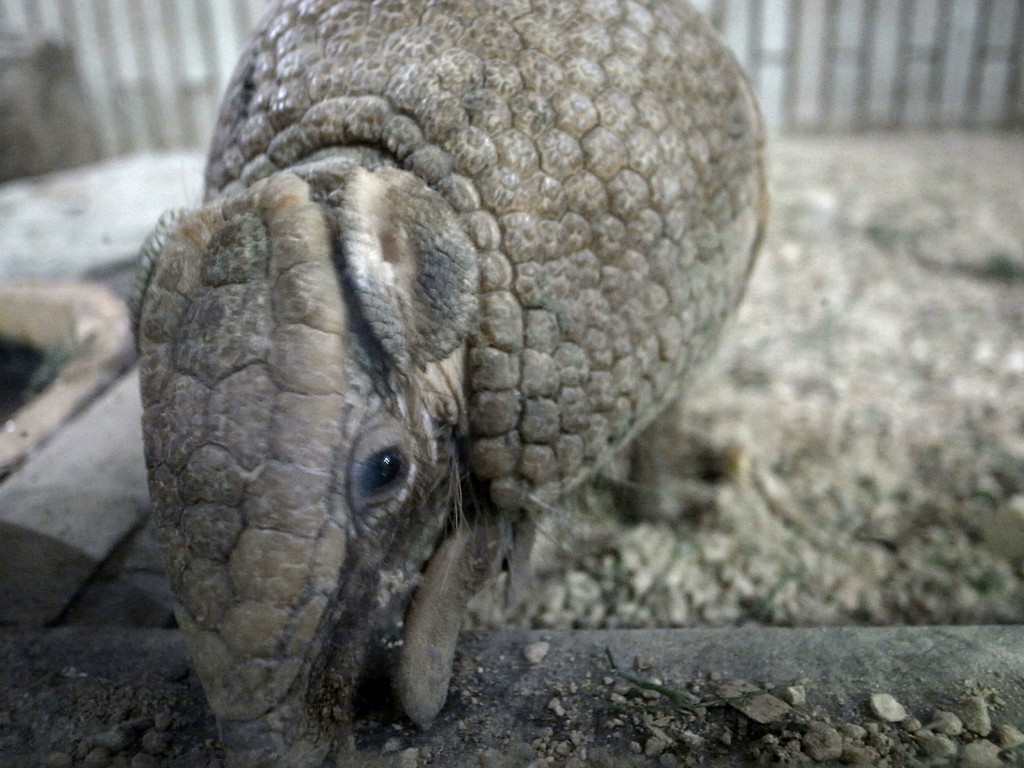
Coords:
pixel 70 689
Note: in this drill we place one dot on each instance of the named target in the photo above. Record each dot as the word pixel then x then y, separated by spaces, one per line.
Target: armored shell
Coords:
pixel 604 156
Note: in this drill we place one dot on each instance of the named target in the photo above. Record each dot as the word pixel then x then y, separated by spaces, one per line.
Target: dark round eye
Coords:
pixel 377 473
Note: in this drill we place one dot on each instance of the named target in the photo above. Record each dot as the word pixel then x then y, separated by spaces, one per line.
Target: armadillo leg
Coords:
pixel 672 470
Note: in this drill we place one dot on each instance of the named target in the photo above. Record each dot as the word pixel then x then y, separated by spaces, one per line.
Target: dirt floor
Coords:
pixel 855 457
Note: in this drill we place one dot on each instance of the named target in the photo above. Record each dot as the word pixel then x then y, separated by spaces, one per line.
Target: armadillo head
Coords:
pixel 302 348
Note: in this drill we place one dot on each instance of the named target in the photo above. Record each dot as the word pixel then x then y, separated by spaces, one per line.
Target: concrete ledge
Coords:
pixel 71 691
pixel 63 512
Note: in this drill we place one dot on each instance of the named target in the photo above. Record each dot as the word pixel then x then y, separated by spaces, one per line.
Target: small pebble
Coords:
pixel 155 742
pixel 822 743
pixel 643 661
pixel 692 740
pixel 881 741
pixel 973 711
pixel 946 722
pixel 794 695
pixel 58 760
pixel 556 706
pixel 654 746
pixel 137 725
pixel 491 758
pixel 852 731
pixel 886 708
pixel 535 652
pixel 97 757
pixel 1007 737
pixel 911 725
pixel 859 754
pixel 409 758
pixel 114 740
pixel 162 720
pixel 936 745
pixel 175 670
pixel 981 754
pixel 751 701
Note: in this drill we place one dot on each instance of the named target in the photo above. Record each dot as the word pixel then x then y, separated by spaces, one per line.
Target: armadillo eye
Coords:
pixel 380 472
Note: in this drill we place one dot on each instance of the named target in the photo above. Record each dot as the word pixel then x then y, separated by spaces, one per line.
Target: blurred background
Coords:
pixel 82 80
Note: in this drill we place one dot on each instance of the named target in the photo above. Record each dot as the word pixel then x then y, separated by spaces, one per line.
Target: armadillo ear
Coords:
pixel 410 265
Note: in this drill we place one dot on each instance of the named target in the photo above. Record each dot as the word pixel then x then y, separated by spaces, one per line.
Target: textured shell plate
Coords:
pixel 605 158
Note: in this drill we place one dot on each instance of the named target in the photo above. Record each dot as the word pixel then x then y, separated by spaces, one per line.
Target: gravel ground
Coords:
pixel 856 453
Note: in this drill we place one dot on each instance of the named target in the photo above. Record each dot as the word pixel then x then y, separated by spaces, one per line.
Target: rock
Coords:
pixel 973 711
pixel 156 742
pixel 58 760
pixel 759 706
pixel 794 695
pixel 936 745
pixel 852 731
pixel 97 757
pixel 981 754
pixel 67 508
pixel 946 722
pixel 535 652
pixel 859 754
pixel 822 743
pixel 654 746
pixel 556 706
pixel 113 740
pixel 163 720
pixel 886 708
pixel 911 725
pixel 1007 737
pixel 643 661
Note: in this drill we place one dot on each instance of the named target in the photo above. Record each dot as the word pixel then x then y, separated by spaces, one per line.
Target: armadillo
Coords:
pixel 453 257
